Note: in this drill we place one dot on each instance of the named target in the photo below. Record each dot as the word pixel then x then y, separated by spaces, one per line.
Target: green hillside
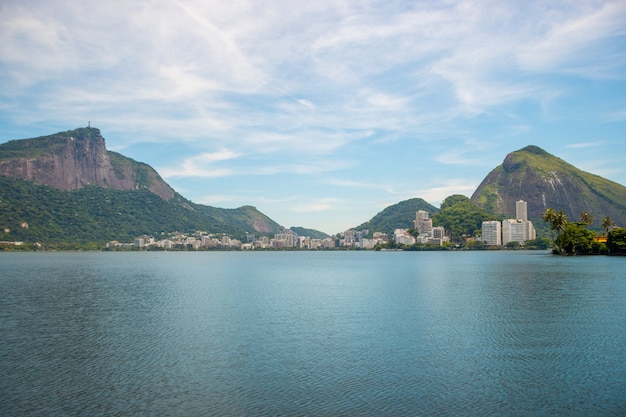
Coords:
pixel 397 216
pixel 95 214
pixel 312 233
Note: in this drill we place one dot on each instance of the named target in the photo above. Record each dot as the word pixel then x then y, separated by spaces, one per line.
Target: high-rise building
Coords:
pixel 521 210
pixel 517 230
pixel 423 224
pixel 491 232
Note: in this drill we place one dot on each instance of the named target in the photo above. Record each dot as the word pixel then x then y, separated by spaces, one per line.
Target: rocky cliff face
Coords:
pixel 545 181
pixel 75 159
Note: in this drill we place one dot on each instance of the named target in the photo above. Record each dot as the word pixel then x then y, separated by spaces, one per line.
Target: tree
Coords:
pixel 586 217
pixel 607 224
pixel 558 222
pixel 575 239
pixel 548 217
pixel 513 245
pixel 454 199
pixel 462 219
pixel 539 243
pixel 616 241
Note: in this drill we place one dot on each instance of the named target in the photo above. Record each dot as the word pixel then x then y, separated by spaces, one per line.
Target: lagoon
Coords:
pixel 312 333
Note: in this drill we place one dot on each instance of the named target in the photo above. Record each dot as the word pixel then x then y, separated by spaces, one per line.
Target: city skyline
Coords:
pixel 324 114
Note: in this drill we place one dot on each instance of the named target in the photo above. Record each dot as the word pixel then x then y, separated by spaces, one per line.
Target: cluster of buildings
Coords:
pixel 426 232
pixel 520 229
pixel 204 241
pixel 494 233
pixel 350 239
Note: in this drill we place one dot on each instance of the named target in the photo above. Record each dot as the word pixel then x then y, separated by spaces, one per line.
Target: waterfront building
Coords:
pixel 403 237
pixel 492 234
pixel 517 230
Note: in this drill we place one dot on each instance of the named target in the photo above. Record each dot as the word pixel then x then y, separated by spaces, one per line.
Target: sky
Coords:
pixel 321 114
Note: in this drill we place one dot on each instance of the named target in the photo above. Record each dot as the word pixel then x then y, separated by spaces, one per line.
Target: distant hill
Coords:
pixel 312 233
pixel 543 181
pixel 67 187
pixel 397 216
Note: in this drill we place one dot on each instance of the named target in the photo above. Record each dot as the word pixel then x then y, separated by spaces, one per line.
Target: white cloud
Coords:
pixel 586 145
pixel 203 166
pixel 266 88
pixel 217 199
pixel 436 195
pixel 571 41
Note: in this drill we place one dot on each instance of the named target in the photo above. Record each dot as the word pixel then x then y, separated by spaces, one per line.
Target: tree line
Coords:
pixel 573 238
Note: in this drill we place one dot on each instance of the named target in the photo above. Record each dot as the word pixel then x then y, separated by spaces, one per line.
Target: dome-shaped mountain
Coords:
pixel 543 181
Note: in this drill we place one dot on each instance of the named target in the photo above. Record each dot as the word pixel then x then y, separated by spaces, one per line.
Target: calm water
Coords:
pixel 312 333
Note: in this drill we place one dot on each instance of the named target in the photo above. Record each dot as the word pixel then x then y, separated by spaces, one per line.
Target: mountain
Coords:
pixel 75 159
pixel 544 181
pixel 397 216
pixel 67 187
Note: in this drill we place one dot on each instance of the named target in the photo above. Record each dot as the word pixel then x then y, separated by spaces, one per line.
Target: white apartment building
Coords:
pixel 403 237
pixel 521 210
pixel 517 230
pixel 492 233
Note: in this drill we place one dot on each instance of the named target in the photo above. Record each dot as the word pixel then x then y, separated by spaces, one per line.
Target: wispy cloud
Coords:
pixel 436 195
pixel 570 42
pixel 336 182
pixel 203 166
pixel 586 144
pixel 614 116
pixel 350 88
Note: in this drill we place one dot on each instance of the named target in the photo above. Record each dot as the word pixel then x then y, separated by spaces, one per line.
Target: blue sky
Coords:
pixel 321 114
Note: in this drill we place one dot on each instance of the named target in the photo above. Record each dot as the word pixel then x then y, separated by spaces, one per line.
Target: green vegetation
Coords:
pixel 44 145
pixel 541 243
pixel 616 241
pixel 461 218
pixel 397 216
pixel 574 238
pixel 312 233
pixel 79 218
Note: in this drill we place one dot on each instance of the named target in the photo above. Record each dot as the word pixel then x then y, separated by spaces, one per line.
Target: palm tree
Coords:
pixel 607 224
pixel 558 221
pixel 548 216
pixel 586 217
